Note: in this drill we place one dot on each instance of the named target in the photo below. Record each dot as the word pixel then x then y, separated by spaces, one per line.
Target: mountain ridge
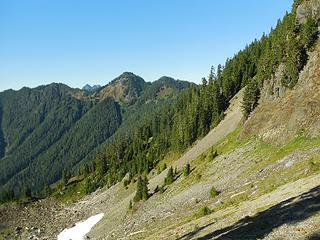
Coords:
pixel 52 113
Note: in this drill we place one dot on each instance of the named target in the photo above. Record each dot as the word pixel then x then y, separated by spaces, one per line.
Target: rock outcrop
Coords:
pixel 307 9
pixel 295 113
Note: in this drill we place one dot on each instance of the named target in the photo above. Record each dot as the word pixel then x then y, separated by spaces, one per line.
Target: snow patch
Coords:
pixel 79 231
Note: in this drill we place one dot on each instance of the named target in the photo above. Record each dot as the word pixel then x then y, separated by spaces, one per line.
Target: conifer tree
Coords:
pixel 138 195
pixel 142 190
pixel 145 192
pixel 186 170
pixel 26 192
pixel 250 98
pixel 310 33
pixel 170 177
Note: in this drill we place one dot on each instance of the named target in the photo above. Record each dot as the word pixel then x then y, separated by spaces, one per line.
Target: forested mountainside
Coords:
pixel 235 157
pixel 46 132
pixel 284 54
pixel 201 108
pixel 153 119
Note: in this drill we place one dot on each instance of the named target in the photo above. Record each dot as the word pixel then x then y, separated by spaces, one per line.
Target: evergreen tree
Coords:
pixel 8 195
pixel 250 98
pixel 295 61
pixel 310 33
pixel 26 192
pixel 186 170
pixel 170 177
pixel 101 164
pixel 65 176
pixel 89 186
pixel 145 191
pixel 138 195
pixel 47 190
pixel 142 190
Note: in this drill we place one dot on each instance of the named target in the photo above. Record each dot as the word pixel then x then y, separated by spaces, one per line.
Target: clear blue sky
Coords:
pixel 78 42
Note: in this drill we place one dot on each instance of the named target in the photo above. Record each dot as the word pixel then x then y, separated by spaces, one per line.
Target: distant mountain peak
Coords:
pixel 128 76
pixel 126 88
pixel 90 88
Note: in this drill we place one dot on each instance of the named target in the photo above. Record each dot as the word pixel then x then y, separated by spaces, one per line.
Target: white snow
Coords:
pixel 79 231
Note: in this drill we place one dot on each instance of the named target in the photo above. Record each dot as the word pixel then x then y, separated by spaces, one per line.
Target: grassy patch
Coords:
pixel 230 142
pixel 213 192
pixel 204 211
pixel 314 163
pixel 71 193
pixel 167 161
pixel 273 154
pixel 6 233
pixel 300 142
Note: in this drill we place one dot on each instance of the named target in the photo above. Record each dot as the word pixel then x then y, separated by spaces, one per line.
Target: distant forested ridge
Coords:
pixel 47 132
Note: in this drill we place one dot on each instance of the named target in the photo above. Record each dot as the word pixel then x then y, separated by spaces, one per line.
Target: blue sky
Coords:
pixel 77 42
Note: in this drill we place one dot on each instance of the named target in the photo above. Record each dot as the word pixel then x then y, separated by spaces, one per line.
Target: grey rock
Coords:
pixel 307 9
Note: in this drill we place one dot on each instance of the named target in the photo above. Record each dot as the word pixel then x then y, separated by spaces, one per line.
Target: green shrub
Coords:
pixel 213 154
pixel 213 192
pixel 142 190
pixel 314 165
pixel 126 182
pixel 205 211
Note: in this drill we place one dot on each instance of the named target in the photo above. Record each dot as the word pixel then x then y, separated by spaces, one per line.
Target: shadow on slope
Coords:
pixel 315 236
pixel 290 211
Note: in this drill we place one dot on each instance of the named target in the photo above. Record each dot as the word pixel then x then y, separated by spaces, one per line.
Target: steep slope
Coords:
pixel 42 130
pixel 296 112
pixel 74 146
pixel 263 183
pixel 266 191
pixel 115 201
pixel 260 185
pixel 267 179
pixel 51 108
pixel 307 9
pixel 226 126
